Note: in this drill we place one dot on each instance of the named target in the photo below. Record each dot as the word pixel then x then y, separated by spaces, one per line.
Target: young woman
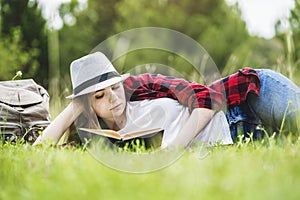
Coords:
pixel 185 110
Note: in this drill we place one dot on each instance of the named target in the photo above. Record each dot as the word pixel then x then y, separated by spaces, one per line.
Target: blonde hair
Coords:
pixel 87 119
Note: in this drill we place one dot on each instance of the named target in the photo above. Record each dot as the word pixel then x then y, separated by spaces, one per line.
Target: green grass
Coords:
pixel 241 171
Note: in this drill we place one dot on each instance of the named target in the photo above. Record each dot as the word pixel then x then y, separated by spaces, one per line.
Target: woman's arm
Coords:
pixel 197 122
pixel 59 125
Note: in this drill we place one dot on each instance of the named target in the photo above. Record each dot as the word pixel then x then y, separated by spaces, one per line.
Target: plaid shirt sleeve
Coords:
pixel 237 86
pixel 228 91
pixel 190 94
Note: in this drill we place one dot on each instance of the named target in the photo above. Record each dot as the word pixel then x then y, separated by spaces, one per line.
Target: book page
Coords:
pixel 103 132
pixel 142 133
pixel 116 135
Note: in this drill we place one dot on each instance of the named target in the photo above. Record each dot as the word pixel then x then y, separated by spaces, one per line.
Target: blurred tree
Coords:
pixel 212 23
pixel 295 26
pixel 85 27
pixel 25 17
pixel 256 53
pixel 13 57
pixel 288 31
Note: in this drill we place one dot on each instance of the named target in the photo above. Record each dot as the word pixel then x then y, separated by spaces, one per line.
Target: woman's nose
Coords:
pixel 113 96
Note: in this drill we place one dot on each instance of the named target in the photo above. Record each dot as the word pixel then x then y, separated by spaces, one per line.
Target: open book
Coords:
pixel 151 137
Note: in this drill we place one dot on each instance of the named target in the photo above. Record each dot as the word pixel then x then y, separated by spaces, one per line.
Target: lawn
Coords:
pixel 242 171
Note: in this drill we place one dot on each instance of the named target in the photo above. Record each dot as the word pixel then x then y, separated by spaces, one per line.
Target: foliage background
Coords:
pixel 28 43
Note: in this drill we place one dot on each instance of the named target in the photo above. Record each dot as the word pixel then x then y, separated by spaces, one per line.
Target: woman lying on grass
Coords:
pixel 185 110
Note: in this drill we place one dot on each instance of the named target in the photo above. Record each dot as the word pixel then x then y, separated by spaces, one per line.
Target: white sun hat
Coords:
pixel 91 73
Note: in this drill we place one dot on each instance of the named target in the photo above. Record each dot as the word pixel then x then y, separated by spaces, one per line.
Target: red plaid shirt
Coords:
pixel 231 90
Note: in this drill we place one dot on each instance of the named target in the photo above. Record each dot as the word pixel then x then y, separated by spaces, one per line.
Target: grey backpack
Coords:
pixel 24 110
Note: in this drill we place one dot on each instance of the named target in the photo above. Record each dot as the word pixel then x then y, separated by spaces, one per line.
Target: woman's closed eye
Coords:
pixel 116 86
pixel 99 96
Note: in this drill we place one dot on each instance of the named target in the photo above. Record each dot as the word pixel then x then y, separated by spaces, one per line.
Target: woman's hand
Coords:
pixel 60 124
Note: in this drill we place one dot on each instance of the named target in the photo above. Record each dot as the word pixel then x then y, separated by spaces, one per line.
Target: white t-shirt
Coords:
pixel 169 115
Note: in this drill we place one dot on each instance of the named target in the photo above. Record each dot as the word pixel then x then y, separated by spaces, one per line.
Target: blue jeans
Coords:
pixel 279 97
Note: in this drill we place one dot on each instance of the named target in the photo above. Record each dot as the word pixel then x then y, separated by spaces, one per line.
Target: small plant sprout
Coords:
pixel 18 75
pixel 284 117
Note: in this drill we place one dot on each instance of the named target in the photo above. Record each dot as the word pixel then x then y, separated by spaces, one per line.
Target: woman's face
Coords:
pixel 110 103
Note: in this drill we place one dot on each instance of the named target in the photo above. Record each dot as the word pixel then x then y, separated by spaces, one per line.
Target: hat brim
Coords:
pixel 100 86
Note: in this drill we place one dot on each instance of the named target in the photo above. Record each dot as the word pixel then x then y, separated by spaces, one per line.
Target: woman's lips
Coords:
pixel 116 107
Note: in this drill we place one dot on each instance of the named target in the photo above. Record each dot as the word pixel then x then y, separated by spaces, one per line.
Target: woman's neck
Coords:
pixel 116 123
